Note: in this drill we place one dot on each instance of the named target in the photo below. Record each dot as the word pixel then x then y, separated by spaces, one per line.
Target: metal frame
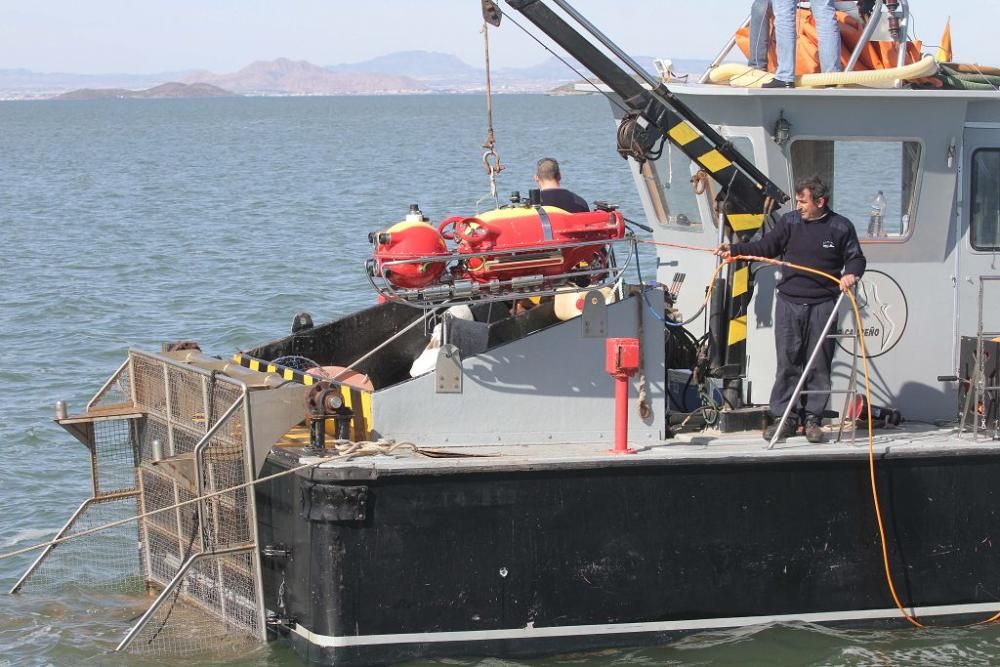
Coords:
pixel 852 388
pixel 62 532
pixel 114 376
pixel 904 9
pixel 724 52
pixel 977 383
pixel 207 549
pixel 470 291
pixel 161 598
pixel 866 35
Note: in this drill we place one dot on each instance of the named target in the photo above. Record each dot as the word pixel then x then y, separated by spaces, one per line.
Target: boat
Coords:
pixel 587 471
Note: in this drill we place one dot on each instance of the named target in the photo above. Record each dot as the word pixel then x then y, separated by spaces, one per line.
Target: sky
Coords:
pixel 151 36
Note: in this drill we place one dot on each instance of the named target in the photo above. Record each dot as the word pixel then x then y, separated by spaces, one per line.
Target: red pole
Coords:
pixel 621 362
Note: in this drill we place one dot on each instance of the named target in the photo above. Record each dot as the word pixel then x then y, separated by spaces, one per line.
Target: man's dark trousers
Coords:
pixel 797 329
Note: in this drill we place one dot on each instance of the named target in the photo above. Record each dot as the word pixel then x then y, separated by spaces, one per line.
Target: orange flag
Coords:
pixel 944 50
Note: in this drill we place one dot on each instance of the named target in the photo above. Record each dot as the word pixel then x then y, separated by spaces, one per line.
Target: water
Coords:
pixel 127 223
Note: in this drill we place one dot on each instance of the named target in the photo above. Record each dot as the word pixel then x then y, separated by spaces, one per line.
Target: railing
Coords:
pixel 851 390
pixel 454 292
pixel 977 383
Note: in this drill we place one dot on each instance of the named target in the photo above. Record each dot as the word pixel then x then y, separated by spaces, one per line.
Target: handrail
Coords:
pixel 873 20
pixel 725 51
pixel 978 379
pixel 198 452
pixel 805 372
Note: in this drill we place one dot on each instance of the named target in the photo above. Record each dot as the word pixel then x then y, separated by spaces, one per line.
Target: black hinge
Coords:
pixel 275 551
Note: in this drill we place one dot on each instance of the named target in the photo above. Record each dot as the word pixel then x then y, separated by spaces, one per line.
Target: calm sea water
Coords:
pixel 127 223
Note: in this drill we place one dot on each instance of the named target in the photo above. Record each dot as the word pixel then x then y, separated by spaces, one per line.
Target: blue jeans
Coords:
pixel 760 38
pixel 827 32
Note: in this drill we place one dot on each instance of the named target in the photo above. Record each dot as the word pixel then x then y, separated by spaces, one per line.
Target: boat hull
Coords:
pixel 390 565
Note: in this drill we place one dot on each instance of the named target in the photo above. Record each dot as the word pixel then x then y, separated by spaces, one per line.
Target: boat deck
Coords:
pixel 908 440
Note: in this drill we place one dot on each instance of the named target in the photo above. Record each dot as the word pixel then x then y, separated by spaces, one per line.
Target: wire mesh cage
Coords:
pixel 109 560
pixel 201 554
pixel 211 610
pixel 168 441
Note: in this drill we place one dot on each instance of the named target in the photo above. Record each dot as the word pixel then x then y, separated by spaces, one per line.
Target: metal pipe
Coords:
pixel 805 371
pixel 978 380
pixel 621 361
pixel 725 51
pixel 199 466
pixel 104 387
pixel 249 471
pixel 904 38
pixel 866 35
pixel 161 598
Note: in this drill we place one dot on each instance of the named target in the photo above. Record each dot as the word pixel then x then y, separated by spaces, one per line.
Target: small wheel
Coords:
pixel 471 230
pixel 449 222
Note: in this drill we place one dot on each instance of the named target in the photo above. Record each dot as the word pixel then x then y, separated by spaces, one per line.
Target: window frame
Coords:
pixel 990 250
pixel 917 186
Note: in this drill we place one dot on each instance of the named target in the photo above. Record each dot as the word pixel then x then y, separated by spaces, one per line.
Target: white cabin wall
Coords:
pixel 924 264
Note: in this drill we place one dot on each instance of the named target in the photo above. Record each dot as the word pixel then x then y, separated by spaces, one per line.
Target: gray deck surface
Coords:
pixel 907 440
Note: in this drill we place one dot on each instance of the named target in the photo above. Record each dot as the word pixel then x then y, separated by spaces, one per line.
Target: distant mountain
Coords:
pixel 445 72
pixel 419 65
pixel 403 72
pixel 298 77
pixel 163 91
pixel 23 83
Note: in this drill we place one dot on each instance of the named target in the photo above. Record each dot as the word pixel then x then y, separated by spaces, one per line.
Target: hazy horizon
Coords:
pixel 155 36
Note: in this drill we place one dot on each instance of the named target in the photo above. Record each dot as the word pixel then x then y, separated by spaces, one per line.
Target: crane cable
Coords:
pixel 491 160
pixel 871 440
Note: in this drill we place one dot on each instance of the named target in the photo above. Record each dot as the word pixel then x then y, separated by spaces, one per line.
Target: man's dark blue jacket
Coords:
pixel 829 244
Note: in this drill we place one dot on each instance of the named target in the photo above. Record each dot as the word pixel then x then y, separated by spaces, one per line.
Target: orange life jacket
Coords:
pixel 875 55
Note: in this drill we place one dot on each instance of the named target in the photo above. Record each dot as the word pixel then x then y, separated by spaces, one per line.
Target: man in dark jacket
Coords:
pixel 548 177
pixel 813 236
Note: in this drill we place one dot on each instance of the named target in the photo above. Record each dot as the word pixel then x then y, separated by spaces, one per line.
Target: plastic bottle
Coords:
pixel 876 217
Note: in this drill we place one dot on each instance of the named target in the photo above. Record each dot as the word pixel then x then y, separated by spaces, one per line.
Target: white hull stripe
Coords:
pixel 626 628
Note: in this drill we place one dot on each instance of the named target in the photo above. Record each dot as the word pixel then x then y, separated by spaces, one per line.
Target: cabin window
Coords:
pixel 873 183
pixel 670 181
pixel 984 212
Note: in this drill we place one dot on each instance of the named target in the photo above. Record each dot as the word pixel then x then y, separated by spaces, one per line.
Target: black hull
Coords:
pixel 390 567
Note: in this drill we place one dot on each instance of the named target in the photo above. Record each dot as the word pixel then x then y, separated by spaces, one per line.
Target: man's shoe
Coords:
pixel 778 83
pixel 791 426
pixel 814 432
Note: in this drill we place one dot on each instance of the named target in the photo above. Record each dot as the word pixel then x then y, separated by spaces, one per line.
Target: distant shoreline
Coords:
pixel 429 93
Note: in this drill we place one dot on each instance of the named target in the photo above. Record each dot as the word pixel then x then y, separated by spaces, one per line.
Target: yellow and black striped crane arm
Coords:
pixel 655 115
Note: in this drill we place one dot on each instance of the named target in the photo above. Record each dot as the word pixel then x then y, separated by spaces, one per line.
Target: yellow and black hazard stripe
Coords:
pixel 744 227
pixel 743 192
pixel 358 401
